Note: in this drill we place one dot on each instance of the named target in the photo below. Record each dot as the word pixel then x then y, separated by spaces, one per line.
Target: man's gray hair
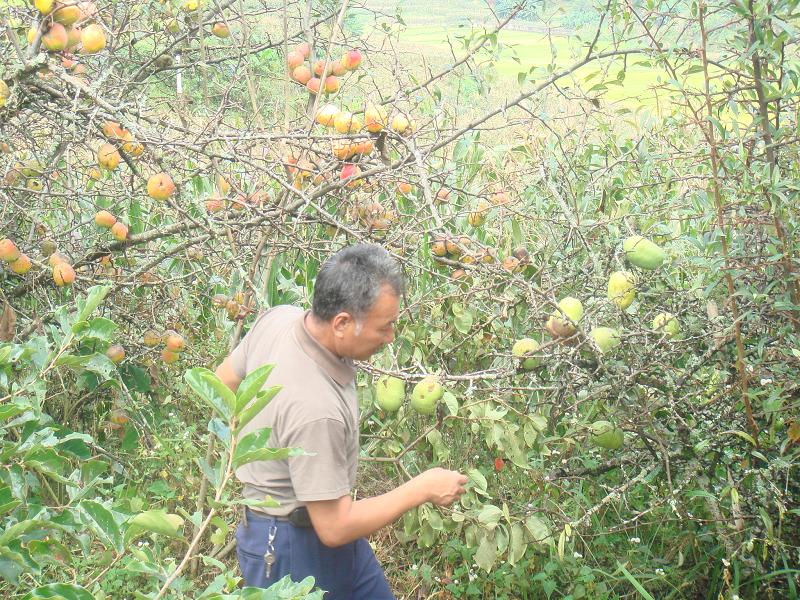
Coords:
pixel 350 281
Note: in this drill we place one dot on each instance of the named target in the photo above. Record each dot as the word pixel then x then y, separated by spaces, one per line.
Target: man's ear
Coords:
pixel 340 323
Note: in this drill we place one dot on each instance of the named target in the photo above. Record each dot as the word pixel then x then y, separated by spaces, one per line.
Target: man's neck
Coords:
pixel 320 332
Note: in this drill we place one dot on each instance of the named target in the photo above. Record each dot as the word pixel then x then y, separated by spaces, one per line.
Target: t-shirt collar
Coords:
pixel 341 370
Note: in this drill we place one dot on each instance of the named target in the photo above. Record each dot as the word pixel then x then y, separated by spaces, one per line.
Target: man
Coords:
pixel 318 529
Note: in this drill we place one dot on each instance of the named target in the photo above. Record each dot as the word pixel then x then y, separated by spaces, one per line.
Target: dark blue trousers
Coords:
pixel 349 572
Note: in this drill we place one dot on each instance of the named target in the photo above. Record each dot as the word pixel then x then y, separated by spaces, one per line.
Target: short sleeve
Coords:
pixel 238 357
pixel 323 476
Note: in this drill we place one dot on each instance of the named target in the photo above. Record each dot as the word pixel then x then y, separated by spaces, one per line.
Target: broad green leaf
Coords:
pixel 7 500
pixel 251 385
pixel 59 591
pixel 98 328
pixel 256 406
pixel 490 516
pixel 486 553
pixel 155 521
pixel 49 551
pixel 221 430
pixel 538 529
pixel 14 532
pixel 451 402
pixel 211 389
pixel 94 297
pixel 254 450
pixel 517 545
pixel 100 519
pixel 477 478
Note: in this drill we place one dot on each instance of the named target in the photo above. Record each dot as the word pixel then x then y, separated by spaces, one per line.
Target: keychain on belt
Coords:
pixel 269 555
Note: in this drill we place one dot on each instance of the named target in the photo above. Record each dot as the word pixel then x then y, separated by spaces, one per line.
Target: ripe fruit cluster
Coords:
pixel 234 305
pixel 18 262
pixel 311 78
pixel 67 27
pixel 174 344
pixel 106 220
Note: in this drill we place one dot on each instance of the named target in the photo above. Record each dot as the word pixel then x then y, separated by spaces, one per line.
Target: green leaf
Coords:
pixel 634 582
pixel 211 389
pixel 93 299
pixel 221 430
pixel 517 545
pixel 486 553
pixel 262 399
pixel 155 521
pixel 253 447
pixel 451 402
pixel 479 481
pixel 14 532
pixel 251 385
pixel 538 529
pixel 100 519
pixel 59 591
pixel 490 516
pixel 99 328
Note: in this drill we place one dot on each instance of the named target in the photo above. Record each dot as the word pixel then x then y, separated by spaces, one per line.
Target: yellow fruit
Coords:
pixel 191 5
pixel 169 356
pixel 426 394
pixel 221 30
pixel 346 122
pixel 22 265
pixel 55 39
pixel 400 124
pixel 477 217
pixel 562 321
pixel 44 6
pixel 667 324
pixel 63 274
pixel 108 157
pixel 524 349
pixel 327 114
pixel 68 15
pixel 119 231
pixel 174 341
pixel 105 219
pixel 621 289
pixel 605 338
pixel 160 186
pixel 93 39
pixel 8 251
pixel 5 92
pixel 151 338
pixel 390 393
pixel 375 118
pixel 643 253
pixel 116 353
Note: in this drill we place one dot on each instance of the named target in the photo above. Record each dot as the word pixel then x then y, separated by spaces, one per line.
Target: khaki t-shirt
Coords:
pixel 316 410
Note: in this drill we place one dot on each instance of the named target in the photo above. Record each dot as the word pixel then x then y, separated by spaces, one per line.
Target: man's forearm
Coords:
pixel 364 517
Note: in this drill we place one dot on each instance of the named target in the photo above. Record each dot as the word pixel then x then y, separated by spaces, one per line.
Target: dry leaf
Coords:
pixel 8 322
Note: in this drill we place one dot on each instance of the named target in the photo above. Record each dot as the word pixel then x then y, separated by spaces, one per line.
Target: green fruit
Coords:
pixel 390 393
pixel 667 324
pixel 426 394
pixel 558 325
pixel 523 349
pixel 621 289
pixel 643 253
pixel 606 435
pixel 605 338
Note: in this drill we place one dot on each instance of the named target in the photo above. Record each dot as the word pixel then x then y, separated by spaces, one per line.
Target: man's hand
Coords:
pixel 442 486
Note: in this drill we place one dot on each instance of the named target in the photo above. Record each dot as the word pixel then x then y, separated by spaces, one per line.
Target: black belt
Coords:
pixel 299 517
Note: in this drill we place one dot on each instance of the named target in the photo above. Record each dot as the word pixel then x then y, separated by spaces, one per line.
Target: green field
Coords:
pixel 435 29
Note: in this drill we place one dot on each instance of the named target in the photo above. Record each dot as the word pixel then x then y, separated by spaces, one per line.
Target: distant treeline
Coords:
pixel 570 13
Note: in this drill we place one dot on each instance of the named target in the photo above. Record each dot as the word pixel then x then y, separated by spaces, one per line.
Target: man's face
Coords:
pixel 376 328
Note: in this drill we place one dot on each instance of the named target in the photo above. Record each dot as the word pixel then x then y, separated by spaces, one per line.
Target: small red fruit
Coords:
pixel 499 463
